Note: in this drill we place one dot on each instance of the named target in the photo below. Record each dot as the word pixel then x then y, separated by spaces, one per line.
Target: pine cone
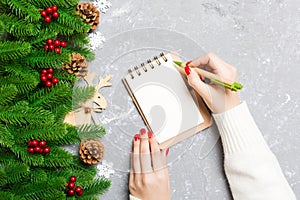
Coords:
pixel 78 65
pixel 91 151
pixel 89 13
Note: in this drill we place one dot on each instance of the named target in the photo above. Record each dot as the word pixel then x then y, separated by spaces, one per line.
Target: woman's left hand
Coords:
pixel 149 178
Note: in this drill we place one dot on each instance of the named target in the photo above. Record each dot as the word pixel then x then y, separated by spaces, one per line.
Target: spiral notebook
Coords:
pixel 169 108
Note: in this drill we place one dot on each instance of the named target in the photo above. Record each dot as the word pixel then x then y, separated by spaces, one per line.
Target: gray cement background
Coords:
pixel 261 38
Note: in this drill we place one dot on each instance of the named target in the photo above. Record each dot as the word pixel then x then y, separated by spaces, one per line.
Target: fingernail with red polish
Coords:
pixel 150 135
pixel 136 137
pixel 187 64
pixel 143 131
pixel 187 70
pixel 202 79
pixel 167 151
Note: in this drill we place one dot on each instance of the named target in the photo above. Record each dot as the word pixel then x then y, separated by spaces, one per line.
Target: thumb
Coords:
pixel 195 82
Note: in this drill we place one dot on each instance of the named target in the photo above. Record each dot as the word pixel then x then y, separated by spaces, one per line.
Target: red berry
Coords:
pixel 54 8
pixel 50 70
pixel 51 47
pixel 42 143
pixel 78 189
pixel 30 150
pixel 41 151
pixel 71 185
pixel 80 193
pixel 43 78
pixel 73 179
pixel 47 150
pixel 46 47
pixel 63 44
pixel 71 192
pixel 57 50
pixel 55 80
pixel 44 71
pixel 37 149
pixel 55 15
pixel 49 76
pixel 49 41
pixel 47 19
pixel 43 13
pixel 34 143
pixel 49 10
pixel 56 43
pixel 48 84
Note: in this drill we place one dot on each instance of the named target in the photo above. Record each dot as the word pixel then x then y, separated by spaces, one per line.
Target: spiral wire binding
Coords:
pixel 143 66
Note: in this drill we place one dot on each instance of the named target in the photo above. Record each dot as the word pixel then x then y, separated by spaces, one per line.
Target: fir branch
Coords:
pixel 61 4
pixel 78 39
pixel 74 22
pixel 19 27
pixel 11 50
pixel 45 189
pixel 60 28
pixel 81 95
pixel 13 116
pixel 91 131
pixel 6 138
pixel 3 176
pixel 60 111
pixel 24 79
pixel 64 75
pixel 9 196
pixel 2 27
pixel 16 172
pixel 99 186
pixel 48 98
pixel 37 175
pixel 7 94
pixel 40 39
pixel 43 59
pixel 58 157
pixel 23 9
pixel 30 159
pixel 77 164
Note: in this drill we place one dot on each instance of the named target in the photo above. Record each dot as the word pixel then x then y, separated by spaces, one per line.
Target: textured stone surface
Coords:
pixel 260 37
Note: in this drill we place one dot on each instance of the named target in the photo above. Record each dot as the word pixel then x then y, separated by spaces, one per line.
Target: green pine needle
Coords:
pixel 7 94
pixel 11 50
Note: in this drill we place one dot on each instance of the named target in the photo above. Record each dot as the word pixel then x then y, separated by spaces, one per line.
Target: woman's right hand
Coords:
pixel 217 98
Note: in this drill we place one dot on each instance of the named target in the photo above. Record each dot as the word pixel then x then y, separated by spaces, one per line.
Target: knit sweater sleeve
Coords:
pixel 252 170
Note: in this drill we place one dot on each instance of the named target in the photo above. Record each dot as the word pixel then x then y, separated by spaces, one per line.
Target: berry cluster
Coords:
pixel 53 10
pixel 72 189
pixel 46 77
pixel 35 146
pixel 54 45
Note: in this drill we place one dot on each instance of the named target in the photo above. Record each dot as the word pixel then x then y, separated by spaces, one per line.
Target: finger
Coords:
pixel 164 154
pixel 131 177
pixel 208 59
pixel 195 82
pixel 157 160
pixel 145 156
pixel 136 166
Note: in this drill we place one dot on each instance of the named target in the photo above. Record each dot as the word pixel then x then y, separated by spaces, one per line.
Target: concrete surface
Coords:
pixel 259 37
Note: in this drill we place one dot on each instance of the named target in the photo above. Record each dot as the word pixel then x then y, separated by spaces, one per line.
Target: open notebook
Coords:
pixel 164 101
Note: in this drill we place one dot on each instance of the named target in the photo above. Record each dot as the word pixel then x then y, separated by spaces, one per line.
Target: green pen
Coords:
pixel 234 86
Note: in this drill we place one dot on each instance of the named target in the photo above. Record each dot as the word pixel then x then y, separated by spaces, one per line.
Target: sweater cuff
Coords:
pixel 133 198
pixel 239 131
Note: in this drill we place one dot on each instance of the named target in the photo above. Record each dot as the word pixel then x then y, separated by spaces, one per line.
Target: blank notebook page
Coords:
pixel 164 99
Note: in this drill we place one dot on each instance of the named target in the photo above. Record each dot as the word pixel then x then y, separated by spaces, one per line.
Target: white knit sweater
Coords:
pixel 251 168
